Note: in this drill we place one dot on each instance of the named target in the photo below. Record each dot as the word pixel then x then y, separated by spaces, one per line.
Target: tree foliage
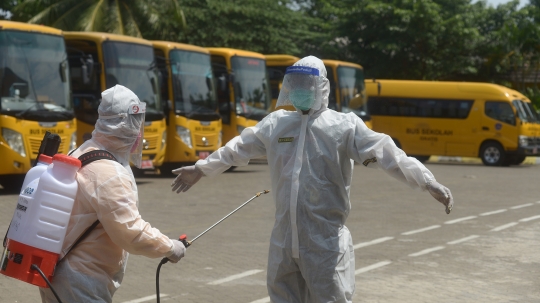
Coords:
pixel 123 17
pixel 266 26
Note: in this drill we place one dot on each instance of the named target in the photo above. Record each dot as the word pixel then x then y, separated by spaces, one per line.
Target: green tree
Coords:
pixel 411 39
pixel 126 17
pixel 265 26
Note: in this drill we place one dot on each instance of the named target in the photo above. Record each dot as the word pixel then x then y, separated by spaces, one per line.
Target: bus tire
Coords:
pixel 492 154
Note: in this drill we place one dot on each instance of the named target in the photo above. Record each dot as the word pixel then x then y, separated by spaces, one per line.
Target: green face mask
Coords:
pixel 302 99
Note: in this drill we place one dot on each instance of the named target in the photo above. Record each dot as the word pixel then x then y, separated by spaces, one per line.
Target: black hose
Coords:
pixel 35 267
pixel 163 261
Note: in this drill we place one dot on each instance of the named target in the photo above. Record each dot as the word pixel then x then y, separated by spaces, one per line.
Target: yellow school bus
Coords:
pixel 276 66
pixel 99 61
pixel 460 119
pixel 193 122
pixel 35 96
pixel 243 90
pixel 347 88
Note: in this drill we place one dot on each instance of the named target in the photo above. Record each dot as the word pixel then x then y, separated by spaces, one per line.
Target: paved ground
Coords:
pixel 407 249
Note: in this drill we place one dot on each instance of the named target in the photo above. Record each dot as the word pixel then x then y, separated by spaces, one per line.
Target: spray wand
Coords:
pixel 187 243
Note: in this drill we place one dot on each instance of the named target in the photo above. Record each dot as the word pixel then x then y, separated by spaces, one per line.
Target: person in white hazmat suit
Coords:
pixel 107 192
pixel 311 154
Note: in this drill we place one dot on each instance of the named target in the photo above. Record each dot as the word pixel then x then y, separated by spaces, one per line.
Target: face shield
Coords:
pixel 135 116
pixel 300 88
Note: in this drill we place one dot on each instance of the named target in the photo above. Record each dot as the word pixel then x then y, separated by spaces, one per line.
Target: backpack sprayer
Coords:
pixel 187 243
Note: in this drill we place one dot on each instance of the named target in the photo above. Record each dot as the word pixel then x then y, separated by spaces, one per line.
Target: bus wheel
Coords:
pixel 421 159
pixel 492 154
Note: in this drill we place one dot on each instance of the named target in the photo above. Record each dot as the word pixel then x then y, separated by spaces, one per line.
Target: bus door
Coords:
pixel 499 123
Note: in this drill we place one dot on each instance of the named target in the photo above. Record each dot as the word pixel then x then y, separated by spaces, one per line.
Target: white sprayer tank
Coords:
pixel 40 222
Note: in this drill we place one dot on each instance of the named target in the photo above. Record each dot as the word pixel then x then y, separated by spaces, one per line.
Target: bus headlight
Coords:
pixel 523 141
pixel 185 135
pixel 239 129
pixel 73 141
pixel 14 140
pixel 163 139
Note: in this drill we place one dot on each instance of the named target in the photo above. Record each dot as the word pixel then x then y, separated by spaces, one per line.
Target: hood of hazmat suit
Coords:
pixel 311 154
pixel 107 192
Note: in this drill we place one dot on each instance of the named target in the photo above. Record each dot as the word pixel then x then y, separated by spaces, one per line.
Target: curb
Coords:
pixel 528 160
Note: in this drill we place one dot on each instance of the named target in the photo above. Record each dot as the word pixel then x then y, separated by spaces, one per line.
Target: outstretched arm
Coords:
pixel 236 152
pixel 378 150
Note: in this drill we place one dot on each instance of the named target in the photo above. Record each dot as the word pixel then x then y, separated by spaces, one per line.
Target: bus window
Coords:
pixel 426 108
pixel 500 111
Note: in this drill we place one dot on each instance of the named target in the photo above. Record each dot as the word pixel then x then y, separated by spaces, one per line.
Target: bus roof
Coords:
pixel 167 45
pixel 234 52
pixel 280 59
pixel 436 89
pixel 27 27
pixel 99 36
pixel 338 63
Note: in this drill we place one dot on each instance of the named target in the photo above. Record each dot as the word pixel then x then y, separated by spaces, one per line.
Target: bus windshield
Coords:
pixel 132 65
pixel 193 83
pixel 526 111
pixel 352 91
pixel 252 96
pixel 34 76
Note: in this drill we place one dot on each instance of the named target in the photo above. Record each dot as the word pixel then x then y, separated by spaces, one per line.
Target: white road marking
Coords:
pixel 371 267
pixel 426 251
pixel 504 226
pixel 234 277
pixel 529 218
pixel 263 300
pixel 376 241
pixel 463 239
pixel 521 206
pixel 145 299
pixel 420 230
pixel 460 220
pixel 493 212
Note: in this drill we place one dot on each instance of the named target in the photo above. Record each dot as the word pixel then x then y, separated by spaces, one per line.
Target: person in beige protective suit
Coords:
pixel 310 155
pixel 107 192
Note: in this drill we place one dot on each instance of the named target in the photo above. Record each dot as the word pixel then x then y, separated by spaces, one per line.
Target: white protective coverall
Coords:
pixel 107 191
pixel 311 158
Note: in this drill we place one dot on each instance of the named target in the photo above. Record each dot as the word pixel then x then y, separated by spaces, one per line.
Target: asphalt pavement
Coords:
pixel 407 249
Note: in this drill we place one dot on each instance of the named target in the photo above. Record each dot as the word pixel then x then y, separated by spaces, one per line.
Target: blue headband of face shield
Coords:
pixel 303 80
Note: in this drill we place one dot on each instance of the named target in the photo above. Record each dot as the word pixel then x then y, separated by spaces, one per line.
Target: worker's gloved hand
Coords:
pixel 187 176
pixel 178 251
pixel 442 194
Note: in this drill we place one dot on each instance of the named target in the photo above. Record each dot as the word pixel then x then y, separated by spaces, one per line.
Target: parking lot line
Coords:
pixel 420 230
pixel 263 300
pixel 463 239
pixel 521 206
pixel 529 218
pixel 460 220
pixel 504 226
pixel 376 241
pixel 234 277
pixel 371 267
pixel 426 251
pixel 493 212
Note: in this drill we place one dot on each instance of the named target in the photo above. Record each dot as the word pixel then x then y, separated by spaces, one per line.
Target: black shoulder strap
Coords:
pixel 86 159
